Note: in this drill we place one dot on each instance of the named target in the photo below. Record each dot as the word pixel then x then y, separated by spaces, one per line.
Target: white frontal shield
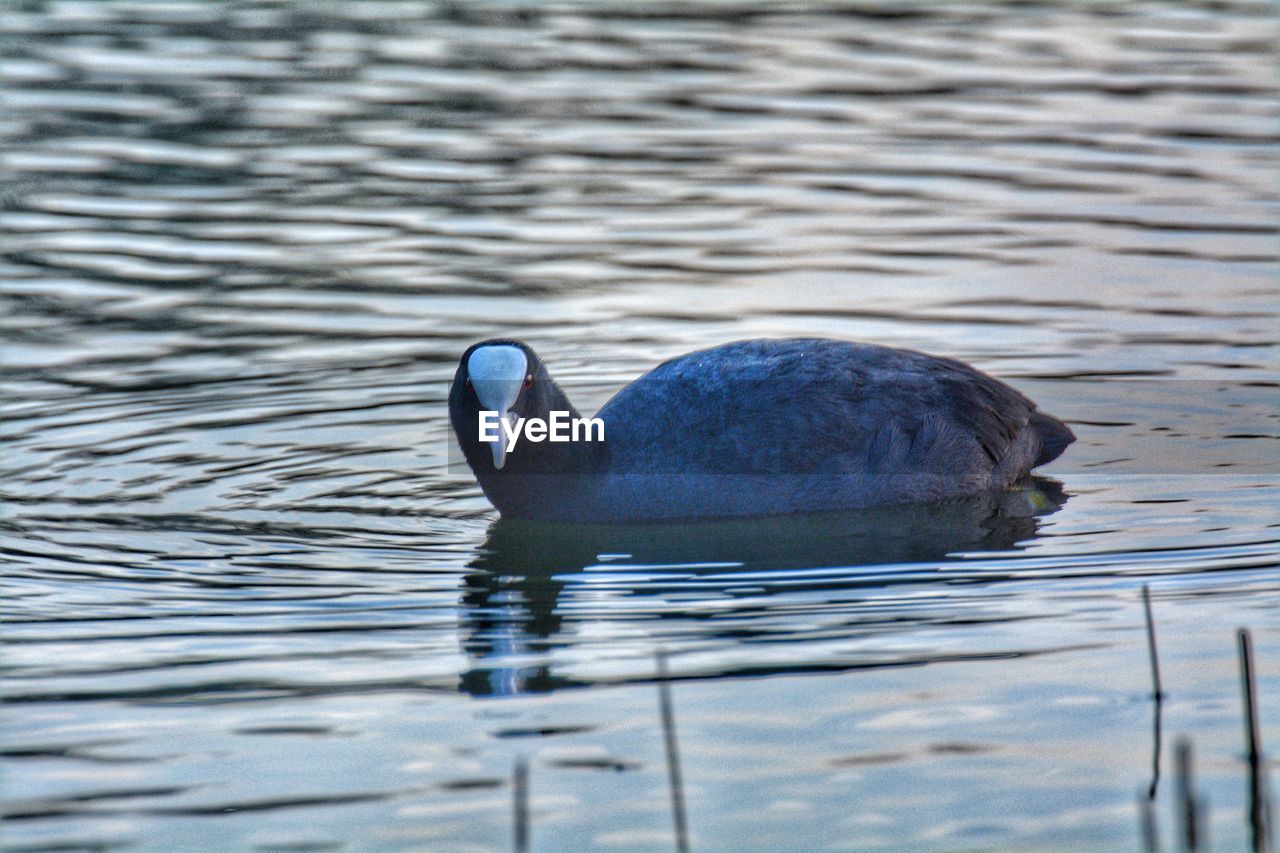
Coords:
pixel 497 372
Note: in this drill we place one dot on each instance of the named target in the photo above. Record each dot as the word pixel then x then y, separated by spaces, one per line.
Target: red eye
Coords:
pixel 528 382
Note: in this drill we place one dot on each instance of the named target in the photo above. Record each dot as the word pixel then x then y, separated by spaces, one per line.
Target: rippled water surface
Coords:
pixel 250 604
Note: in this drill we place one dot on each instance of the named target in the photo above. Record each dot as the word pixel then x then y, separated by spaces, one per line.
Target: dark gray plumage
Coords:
pixel 763 427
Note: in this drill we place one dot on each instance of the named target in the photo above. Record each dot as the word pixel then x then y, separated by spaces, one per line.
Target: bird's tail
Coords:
pixel 1054 437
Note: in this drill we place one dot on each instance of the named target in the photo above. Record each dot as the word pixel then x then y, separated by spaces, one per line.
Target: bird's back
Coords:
pixel 893 421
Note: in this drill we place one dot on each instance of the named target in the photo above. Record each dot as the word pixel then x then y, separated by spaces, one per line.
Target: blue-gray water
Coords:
pixel 249 604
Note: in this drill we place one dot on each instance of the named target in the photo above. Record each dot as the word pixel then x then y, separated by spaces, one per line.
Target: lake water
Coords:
pixel 249 604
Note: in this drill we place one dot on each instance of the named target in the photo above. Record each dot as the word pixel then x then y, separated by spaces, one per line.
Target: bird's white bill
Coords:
pixel 497 372
pixel 509 424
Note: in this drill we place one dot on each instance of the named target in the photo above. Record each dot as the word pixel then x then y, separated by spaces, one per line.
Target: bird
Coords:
pixel 749 428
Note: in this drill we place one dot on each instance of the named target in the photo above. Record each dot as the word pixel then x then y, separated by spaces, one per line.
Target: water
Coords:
pixel 249 603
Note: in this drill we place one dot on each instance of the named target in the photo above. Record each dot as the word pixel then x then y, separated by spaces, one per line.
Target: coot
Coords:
pixel 754 427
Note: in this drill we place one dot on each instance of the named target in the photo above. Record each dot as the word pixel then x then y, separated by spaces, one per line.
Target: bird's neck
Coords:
pixel 582 456
pixel 548 474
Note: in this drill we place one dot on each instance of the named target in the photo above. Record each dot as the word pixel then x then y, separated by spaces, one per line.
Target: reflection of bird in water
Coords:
pixel 510 602
pixel 746 429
